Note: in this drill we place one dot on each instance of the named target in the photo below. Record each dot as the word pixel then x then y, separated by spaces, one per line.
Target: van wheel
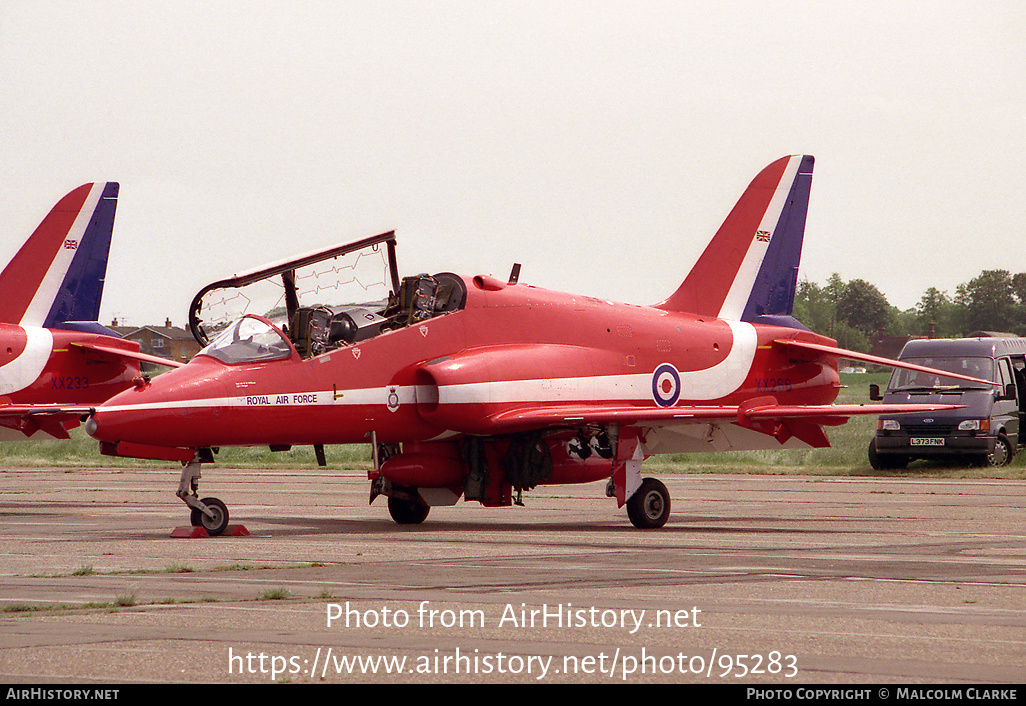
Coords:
pixel 1002 453
pixel 887 461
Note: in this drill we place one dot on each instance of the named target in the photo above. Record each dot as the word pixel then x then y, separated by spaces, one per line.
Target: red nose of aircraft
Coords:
pixel 181 408
pixel 192 407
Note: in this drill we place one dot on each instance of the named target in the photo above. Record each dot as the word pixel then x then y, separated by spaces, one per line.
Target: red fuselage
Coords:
pixel 462 372
pixel 44 367
pixel 50 377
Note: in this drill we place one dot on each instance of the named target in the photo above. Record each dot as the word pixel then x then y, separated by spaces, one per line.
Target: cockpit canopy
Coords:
pixel 323 300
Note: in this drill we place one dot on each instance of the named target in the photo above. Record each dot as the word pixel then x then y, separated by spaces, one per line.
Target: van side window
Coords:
pixel 1006 372
pixel 1018 369
pixel 1019 375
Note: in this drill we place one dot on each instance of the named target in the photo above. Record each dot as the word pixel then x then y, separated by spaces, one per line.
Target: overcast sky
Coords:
pixel 598 143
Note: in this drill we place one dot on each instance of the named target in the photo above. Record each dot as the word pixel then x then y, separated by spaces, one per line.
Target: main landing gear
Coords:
pixel 405 504
pixel 209 513
pixel 649 507
pixel 648 504
pixel 407 512
pixel 494 471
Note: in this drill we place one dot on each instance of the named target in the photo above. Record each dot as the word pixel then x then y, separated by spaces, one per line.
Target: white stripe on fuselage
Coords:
pixel 698 385
pixel 695 385
pixel 30 363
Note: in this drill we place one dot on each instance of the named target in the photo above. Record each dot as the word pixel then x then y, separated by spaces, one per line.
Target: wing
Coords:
pixel 761 414
pixel 24 421
pixel 459 397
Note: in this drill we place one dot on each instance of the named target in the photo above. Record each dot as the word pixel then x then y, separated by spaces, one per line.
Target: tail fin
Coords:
pixel 58 273
pixel 750 268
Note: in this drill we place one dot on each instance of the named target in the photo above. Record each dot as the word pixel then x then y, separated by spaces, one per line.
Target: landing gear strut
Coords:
pixel 647 500
pixel 209 513
pixel 404 503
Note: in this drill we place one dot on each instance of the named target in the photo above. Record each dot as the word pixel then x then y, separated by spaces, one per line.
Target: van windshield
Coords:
pixel 982 368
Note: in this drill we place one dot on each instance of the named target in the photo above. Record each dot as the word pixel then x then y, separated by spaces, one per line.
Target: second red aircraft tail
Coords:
pixel 58 274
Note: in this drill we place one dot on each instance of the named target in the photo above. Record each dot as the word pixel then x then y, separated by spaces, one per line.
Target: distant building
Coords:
pixel 890 346
pixel 165 341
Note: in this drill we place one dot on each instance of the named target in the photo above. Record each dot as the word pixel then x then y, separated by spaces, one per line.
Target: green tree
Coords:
pixel 813 307
pixel 987 303
pixel 903 323
pixel 863 307
pixel 851 338
pixel 935 307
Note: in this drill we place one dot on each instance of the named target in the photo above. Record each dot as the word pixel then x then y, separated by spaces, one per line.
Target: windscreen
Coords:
pixel 982 368
pixel 248 340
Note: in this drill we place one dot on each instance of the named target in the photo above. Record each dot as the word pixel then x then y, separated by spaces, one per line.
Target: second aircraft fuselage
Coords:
pixel 42 366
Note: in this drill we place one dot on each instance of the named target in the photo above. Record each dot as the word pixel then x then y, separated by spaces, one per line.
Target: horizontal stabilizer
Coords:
pixel 817 349
pixel 53 421
pixel 110 354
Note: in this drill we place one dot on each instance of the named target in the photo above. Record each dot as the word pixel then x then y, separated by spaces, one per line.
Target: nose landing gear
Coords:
pixel 209 513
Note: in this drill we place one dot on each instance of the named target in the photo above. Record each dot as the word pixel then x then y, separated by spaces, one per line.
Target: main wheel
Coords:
pixel 1002 453
pixel 213 525
pixel 649 507
pixel 406 512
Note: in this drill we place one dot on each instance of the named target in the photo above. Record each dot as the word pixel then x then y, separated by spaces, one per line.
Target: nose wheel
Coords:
pixel 214 523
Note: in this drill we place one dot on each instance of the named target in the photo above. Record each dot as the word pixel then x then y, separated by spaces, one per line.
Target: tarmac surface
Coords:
pixel 755 579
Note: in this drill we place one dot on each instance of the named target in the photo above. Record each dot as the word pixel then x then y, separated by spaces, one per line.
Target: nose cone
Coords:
pixel 177 409
pixel 124 417
pixel 90 427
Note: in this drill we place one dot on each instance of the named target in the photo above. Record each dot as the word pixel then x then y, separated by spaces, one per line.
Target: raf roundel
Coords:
pixel 666 385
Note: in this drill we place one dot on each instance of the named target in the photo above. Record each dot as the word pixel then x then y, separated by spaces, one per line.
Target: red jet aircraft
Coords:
pixel 56 361
pixel 484 388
